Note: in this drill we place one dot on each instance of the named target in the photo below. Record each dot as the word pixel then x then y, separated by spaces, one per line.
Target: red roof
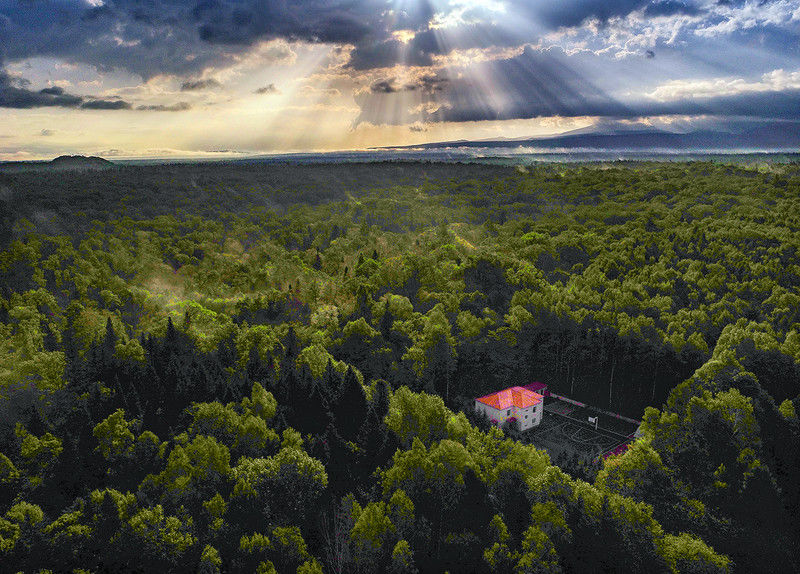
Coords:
pixel 514 396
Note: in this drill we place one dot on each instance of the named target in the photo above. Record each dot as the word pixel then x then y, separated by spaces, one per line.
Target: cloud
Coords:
pixel 106 105
pixel 244 21
pixel 196 85
pixel 428 83
pixel 52 91
pixel 543 84
pixel 46 132
pixel 384 87
pixel 268 89
pixel 670 8
pixel 729 18
pixel 775 81
pixel 177 107
pixel 14 96
pixel 572 13
pixel 113 152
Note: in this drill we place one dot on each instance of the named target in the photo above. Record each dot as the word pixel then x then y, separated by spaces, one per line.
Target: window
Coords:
pixel 508 412
pixel 526 416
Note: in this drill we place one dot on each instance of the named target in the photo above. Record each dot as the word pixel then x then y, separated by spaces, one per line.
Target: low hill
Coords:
pixel 61 163
pixel 79 162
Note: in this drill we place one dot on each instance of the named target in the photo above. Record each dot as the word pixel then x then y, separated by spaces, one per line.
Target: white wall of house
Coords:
pixel 530 417
pixel 491 413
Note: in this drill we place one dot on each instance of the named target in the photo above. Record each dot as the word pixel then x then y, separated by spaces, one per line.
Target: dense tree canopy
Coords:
pixel 228 370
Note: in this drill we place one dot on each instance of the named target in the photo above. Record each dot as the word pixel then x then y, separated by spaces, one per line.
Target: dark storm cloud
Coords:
pixel 384 87
pixel 269 89
pixel 173 36
pixel 106 105
pixel 429 83
pixel 670 7
pixel 432 82
pixel 569 13
pixel 177 107
pixel 12 95
pixel 766 105
pixel 146 39
pixel 196 85
pixel 52 91
pixel 242 22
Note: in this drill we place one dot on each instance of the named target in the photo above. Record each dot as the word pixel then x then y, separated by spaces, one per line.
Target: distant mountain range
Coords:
pixel 765 137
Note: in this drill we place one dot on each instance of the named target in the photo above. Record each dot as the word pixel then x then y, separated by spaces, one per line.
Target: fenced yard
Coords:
pixel 565 431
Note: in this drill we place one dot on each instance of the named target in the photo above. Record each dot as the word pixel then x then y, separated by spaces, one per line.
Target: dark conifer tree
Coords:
pixel 510 493
pixel 350 406
pixel 110 339
pixel 363 307
pixel 386 322
pixel 380 399
pixel 287 383
pixel 257 369
pixel 319 449
pixel 300 407
pixel 331 381
pixel 316 410
pixel 120 396
pixel 226 352
pixel 134 400
pixel 49 342
pixel 440 368
pixel 36 425
pixel 341 462
pixel 369 439
pixel 291 345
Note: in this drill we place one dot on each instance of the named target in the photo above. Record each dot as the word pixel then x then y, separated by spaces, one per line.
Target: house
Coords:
pixel 513 403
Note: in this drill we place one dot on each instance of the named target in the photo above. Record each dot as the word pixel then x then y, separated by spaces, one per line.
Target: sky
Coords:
pixel 218 78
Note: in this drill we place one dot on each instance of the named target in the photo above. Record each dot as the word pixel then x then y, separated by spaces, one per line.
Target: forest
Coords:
pixel 236 367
